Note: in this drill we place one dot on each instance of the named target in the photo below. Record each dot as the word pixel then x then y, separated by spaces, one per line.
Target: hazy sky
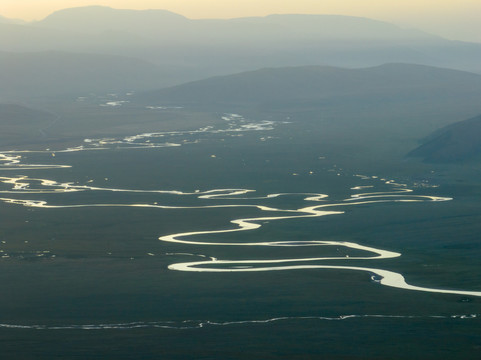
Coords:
pixel 457 19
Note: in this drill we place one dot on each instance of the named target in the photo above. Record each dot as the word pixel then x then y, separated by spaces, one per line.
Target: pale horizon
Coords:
pixel 453 20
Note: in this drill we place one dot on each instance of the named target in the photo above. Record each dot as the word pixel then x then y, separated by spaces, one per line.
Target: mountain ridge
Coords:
pixel 94 19
pixel 208 47
pixel 107 18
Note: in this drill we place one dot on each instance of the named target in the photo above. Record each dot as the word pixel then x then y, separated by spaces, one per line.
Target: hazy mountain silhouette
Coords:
pixel 98 19
pixel 32 75
pixel 390 82
pixel 457 142
pixel 5 20
pixel 202 48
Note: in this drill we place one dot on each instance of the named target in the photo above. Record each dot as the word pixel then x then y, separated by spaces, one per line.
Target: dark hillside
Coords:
pixel 457 142
pixel 310 83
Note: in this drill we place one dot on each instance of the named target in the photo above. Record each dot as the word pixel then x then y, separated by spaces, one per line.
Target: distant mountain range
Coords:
pixel 151 23
pixel 457 142
pixel 171 49
pixel 250 43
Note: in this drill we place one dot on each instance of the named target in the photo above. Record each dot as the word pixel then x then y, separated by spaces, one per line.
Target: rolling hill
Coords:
pixel 392 82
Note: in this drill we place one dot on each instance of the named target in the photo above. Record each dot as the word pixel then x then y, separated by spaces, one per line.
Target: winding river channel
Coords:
pixel 316 205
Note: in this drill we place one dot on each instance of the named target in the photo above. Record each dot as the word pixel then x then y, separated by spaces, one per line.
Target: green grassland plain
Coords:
pixel 102 272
